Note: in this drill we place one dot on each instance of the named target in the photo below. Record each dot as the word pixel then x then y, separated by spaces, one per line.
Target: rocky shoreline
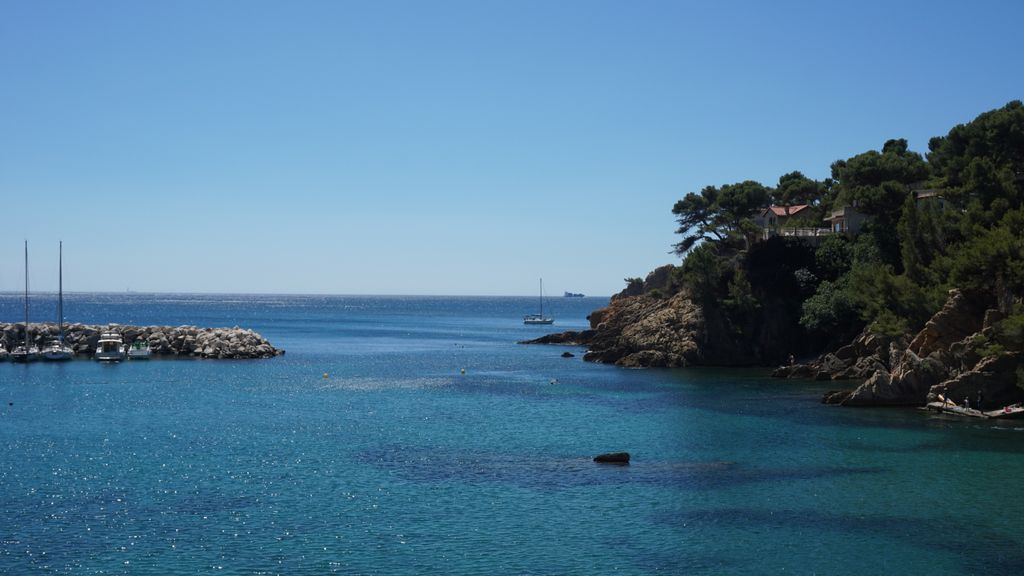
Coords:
pixel 168 341
pixel 639 332
pixel 640 328
pixel 949 357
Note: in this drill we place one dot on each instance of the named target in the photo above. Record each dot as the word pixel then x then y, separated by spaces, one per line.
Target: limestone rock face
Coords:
pixel 960 317
pixel 907 385
pixel 877 390
pixel 995 377
pixel 941 359
pixel 645 331
pixel 859 360
pixel 163 340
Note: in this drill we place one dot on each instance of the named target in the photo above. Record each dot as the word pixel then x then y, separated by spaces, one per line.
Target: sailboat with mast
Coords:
pixel 539 318
pixel 58 350
pixel 26 352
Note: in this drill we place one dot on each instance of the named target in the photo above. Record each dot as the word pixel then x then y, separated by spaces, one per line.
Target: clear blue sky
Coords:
pixel 442 147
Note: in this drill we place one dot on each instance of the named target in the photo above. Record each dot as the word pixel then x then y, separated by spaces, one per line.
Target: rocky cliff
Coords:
pixel 948 357
pixel 187 341
pixel 647 325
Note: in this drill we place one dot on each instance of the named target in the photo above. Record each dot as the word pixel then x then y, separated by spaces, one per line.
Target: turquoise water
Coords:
pixel 397 463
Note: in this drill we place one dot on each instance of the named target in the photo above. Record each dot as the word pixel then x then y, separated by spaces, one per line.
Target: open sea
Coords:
pixel 367 450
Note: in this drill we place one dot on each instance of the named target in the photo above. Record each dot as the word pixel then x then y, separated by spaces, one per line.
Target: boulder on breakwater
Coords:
pixel 172 341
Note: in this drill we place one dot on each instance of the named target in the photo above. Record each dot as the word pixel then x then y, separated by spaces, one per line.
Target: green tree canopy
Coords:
pixel 718 213
pixel 878 182
pixel 795 188
pixel 982 163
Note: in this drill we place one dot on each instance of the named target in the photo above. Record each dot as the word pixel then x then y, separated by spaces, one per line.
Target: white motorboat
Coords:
pixel 58 350
pixel 110 347
pixel 539 318
pixel 139 350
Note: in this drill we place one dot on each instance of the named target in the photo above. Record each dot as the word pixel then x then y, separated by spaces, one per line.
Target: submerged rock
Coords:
pixel 612 458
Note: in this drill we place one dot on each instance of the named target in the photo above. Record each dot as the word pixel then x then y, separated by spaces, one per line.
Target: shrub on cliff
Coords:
pixel 701 272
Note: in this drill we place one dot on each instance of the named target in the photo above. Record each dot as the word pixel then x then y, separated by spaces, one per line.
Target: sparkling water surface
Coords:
pixel 366 450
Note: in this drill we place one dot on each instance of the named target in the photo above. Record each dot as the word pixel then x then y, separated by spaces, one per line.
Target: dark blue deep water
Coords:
pixel 396 462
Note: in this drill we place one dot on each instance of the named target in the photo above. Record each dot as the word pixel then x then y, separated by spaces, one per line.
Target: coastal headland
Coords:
pixel 169 341
pixel 950 357
pixel 901 272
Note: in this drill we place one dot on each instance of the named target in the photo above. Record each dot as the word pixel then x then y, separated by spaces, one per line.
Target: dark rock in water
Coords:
pixel 612 458
pixel 568 338
pixel 835 396
pixel 568 355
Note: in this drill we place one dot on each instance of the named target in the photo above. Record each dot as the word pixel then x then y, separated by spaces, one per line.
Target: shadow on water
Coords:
pixel 753 393
pixel 987 551
pixel 549 473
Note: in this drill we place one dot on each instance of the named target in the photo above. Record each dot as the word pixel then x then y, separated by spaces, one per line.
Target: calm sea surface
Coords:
pixel 365 450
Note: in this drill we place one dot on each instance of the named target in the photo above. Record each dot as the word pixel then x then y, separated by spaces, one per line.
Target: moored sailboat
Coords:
pixel 539 318
pixel 58 350
pixel 27 351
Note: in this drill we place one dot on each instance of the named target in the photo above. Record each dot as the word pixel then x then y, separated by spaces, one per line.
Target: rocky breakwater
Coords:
pixel 952 356
pixel 171 341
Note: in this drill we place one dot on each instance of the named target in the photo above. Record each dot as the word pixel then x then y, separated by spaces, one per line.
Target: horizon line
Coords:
pixel 357 295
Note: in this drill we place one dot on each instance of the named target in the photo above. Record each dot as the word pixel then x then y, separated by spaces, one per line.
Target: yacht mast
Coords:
pixel 26 296
pixel 542 298
pixel 60 295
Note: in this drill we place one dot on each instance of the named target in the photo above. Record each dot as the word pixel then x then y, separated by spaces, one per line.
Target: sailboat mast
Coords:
pixel 60 294
pixel 542 298
pixel 26 295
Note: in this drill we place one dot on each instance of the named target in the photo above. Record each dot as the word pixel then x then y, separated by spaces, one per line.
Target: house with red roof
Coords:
pixel 776 217
pixel 795 221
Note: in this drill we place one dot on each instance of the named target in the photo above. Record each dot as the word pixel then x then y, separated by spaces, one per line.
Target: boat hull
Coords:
pixel 539 321
pixel 57 353
pixel 109 356
pixel 110 348
pixel 22 356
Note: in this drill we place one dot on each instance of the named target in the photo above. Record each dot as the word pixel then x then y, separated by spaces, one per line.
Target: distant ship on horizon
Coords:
pixel 573 295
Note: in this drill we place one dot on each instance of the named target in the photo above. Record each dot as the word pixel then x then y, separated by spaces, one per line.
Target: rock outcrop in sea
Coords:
pixel 948 357
pixel 180 341
pixel 642 327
